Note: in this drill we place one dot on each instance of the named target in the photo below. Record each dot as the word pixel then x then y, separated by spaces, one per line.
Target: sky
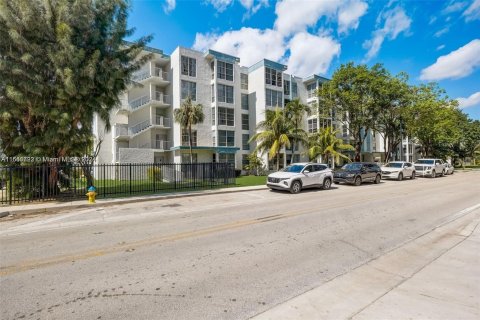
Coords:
pixel 431 40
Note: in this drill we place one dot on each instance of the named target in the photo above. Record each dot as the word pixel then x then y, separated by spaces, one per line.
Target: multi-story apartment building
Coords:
pixel 234 100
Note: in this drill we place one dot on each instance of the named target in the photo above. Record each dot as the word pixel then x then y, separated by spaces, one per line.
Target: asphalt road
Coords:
pixel 228 256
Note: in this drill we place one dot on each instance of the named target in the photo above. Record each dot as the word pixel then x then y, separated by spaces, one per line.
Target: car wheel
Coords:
pixel 358 181
pixel 327 183
pixel 377 179
pixel 400 176
pixel 413 175
pixel 443 173
pixel 434 174
pixel 296 187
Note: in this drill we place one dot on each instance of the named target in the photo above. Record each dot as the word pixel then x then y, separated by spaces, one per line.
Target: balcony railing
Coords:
pixel 157 72
pixel 120 130
pixel 158 121
pixel 162 121
pixel 139 127
pixel 157 96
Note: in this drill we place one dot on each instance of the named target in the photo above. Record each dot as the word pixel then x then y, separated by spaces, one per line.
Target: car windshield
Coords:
pixel 424 161
pixel 352 166
pixel 294 168
pixel 394 165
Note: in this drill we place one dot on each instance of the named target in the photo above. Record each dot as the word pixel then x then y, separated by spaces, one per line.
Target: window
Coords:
pixel 244 81
pixel 213 93
pixel 189 89
pixel 245 160
pixel 226 117
pixel 245 122
pixel 286 87
pixel 225 70
pixel 311 88
pixel 212 68
pixel 189 66
pixel 244 101
pixel 213 116
pixel 312 125
pixel 245 144
pixel 294 90
pixel 224 93
pixel 186 157
pixel 226 158
pixel 273 98
pixel 185 138
pixel 273 77
pixel 319 167
pixel 226 138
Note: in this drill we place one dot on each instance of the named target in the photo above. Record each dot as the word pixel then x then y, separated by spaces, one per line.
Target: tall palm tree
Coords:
pixel 273 135
pixel 326 144
pixel 187 115
pixel 295 111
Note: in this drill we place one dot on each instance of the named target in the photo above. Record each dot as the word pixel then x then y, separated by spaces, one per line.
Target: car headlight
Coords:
pixel 350 175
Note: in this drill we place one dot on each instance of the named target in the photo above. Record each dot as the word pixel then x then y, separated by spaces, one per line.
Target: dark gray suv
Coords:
pixel 358 172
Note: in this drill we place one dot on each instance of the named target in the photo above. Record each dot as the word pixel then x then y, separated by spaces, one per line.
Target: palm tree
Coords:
pixel 187 115
pixel 273 135
pixel 295 111
pixel 326 144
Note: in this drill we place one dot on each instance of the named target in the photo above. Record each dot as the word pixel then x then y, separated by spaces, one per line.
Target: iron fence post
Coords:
pixel 130 177
pixel 10 193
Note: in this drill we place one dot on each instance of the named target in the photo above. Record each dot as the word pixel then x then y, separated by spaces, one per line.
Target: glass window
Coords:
pixel 311 88
pixel 186 157
pixel 294 90
pixel 185 138
pixel 244 81
pixel 312 125
pixel 273 77
pixel 273 98
pixel 224 93
pixel 245 122
pixel 245 144
pixel 226 138
pixel 225 70
pixel 244 101
pixel 286 87
pixel 226 158
pixel 189 66
pixel 226 116
pixel 189 89
pixel 245 160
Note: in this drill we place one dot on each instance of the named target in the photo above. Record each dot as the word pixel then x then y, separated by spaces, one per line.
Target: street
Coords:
pixel 225 256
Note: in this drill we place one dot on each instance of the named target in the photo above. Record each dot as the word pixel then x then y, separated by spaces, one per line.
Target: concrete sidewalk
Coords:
pixel 8 212
pixel 436 276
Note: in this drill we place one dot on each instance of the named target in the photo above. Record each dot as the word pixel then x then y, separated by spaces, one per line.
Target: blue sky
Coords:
pixel 431 40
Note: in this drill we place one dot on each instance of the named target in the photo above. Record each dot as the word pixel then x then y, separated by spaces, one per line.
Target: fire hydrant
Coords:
pixel 91 194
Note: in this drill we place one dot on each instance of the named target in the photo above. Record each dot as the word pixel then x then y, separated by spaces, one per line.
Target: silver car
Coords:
pixel 398 170
pixel 298 176
pixel 449 169
pixel 430 167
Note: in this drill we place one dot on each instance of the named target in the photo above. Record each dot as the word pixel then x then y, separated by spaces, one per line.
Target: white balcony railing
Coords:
pixel 156 72
pixel 157 96
pixel 120 130
pixel 139 127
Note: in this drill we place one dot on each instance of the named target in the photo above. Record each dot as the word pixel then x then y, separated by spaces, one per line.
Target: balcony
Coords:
pixel 157 145
pixel 120 131
pixel 157 75
pixel 158 121
pixel 157 98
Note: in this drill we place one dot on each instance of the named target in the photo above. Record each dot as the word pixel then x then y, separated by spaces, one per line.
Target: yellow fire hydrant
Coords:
pixel 91 194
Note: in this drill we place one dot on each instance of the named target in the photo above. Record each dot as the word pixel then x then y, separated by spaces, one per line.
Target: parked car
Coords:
pixel 449 168
pixel 398 170
pixel 430 167
pixel 298 176
pixel 358 172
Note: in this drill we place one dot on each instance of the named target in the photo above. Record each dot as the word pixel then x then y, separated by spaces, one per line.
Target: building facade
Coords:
pixel 234 100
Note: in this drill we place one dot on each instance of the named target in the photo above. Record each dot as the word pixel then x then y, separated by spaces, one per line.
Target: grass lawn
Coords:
pixel 246 181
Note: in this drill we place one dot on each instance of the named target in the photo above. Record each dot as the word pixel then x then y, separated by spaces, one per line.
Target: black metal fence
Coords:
pixel 55 181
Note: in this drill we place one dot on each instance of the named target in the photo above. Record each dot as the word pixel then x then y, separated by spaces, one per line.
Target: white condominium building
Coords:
pixel 234 100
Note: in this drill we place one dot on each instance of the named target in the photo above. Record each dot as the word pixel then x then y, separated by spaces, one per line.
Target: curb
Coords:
pixel 11 213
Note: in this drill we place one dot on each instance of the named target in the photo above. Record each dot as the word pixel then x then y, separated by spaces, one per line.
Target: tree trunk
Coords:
pixel 278 160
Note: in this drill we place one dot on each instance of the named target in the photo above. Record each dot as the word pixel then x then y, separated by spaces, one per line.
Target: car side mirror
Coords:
pixel 306 171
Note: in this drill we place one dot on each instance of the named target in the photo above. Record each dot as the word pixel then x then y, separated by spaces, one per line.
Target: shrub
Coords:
pixel 154 173
pixel 238 172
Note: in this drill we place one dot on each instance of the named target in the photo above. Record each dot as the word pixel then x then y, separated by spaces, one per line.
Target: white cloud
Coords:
pixel 454 6
pixel 169 6
pixel 473 100
pixel 441 32
pixel 395 22
pixel 349 15
pixel 249 44
pixel 455 65
pixel 440 47
pixel 311 53
pixel 220 5
pixel 472 12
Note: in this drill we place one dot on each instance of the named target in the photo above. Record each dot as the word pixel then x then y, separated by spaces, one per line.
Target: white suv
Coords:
pixel 430 167
pixel 298 176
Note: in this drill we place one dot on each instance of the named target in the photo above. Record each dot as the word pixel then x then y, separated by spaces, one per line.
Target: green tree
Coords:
pixel 433 120
pixel 325 143
pixel 61 62
pixel 188 115
pixel 295 111
pixel 255 163
pixel 351 93
pixel 273 134
pixel 469 142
